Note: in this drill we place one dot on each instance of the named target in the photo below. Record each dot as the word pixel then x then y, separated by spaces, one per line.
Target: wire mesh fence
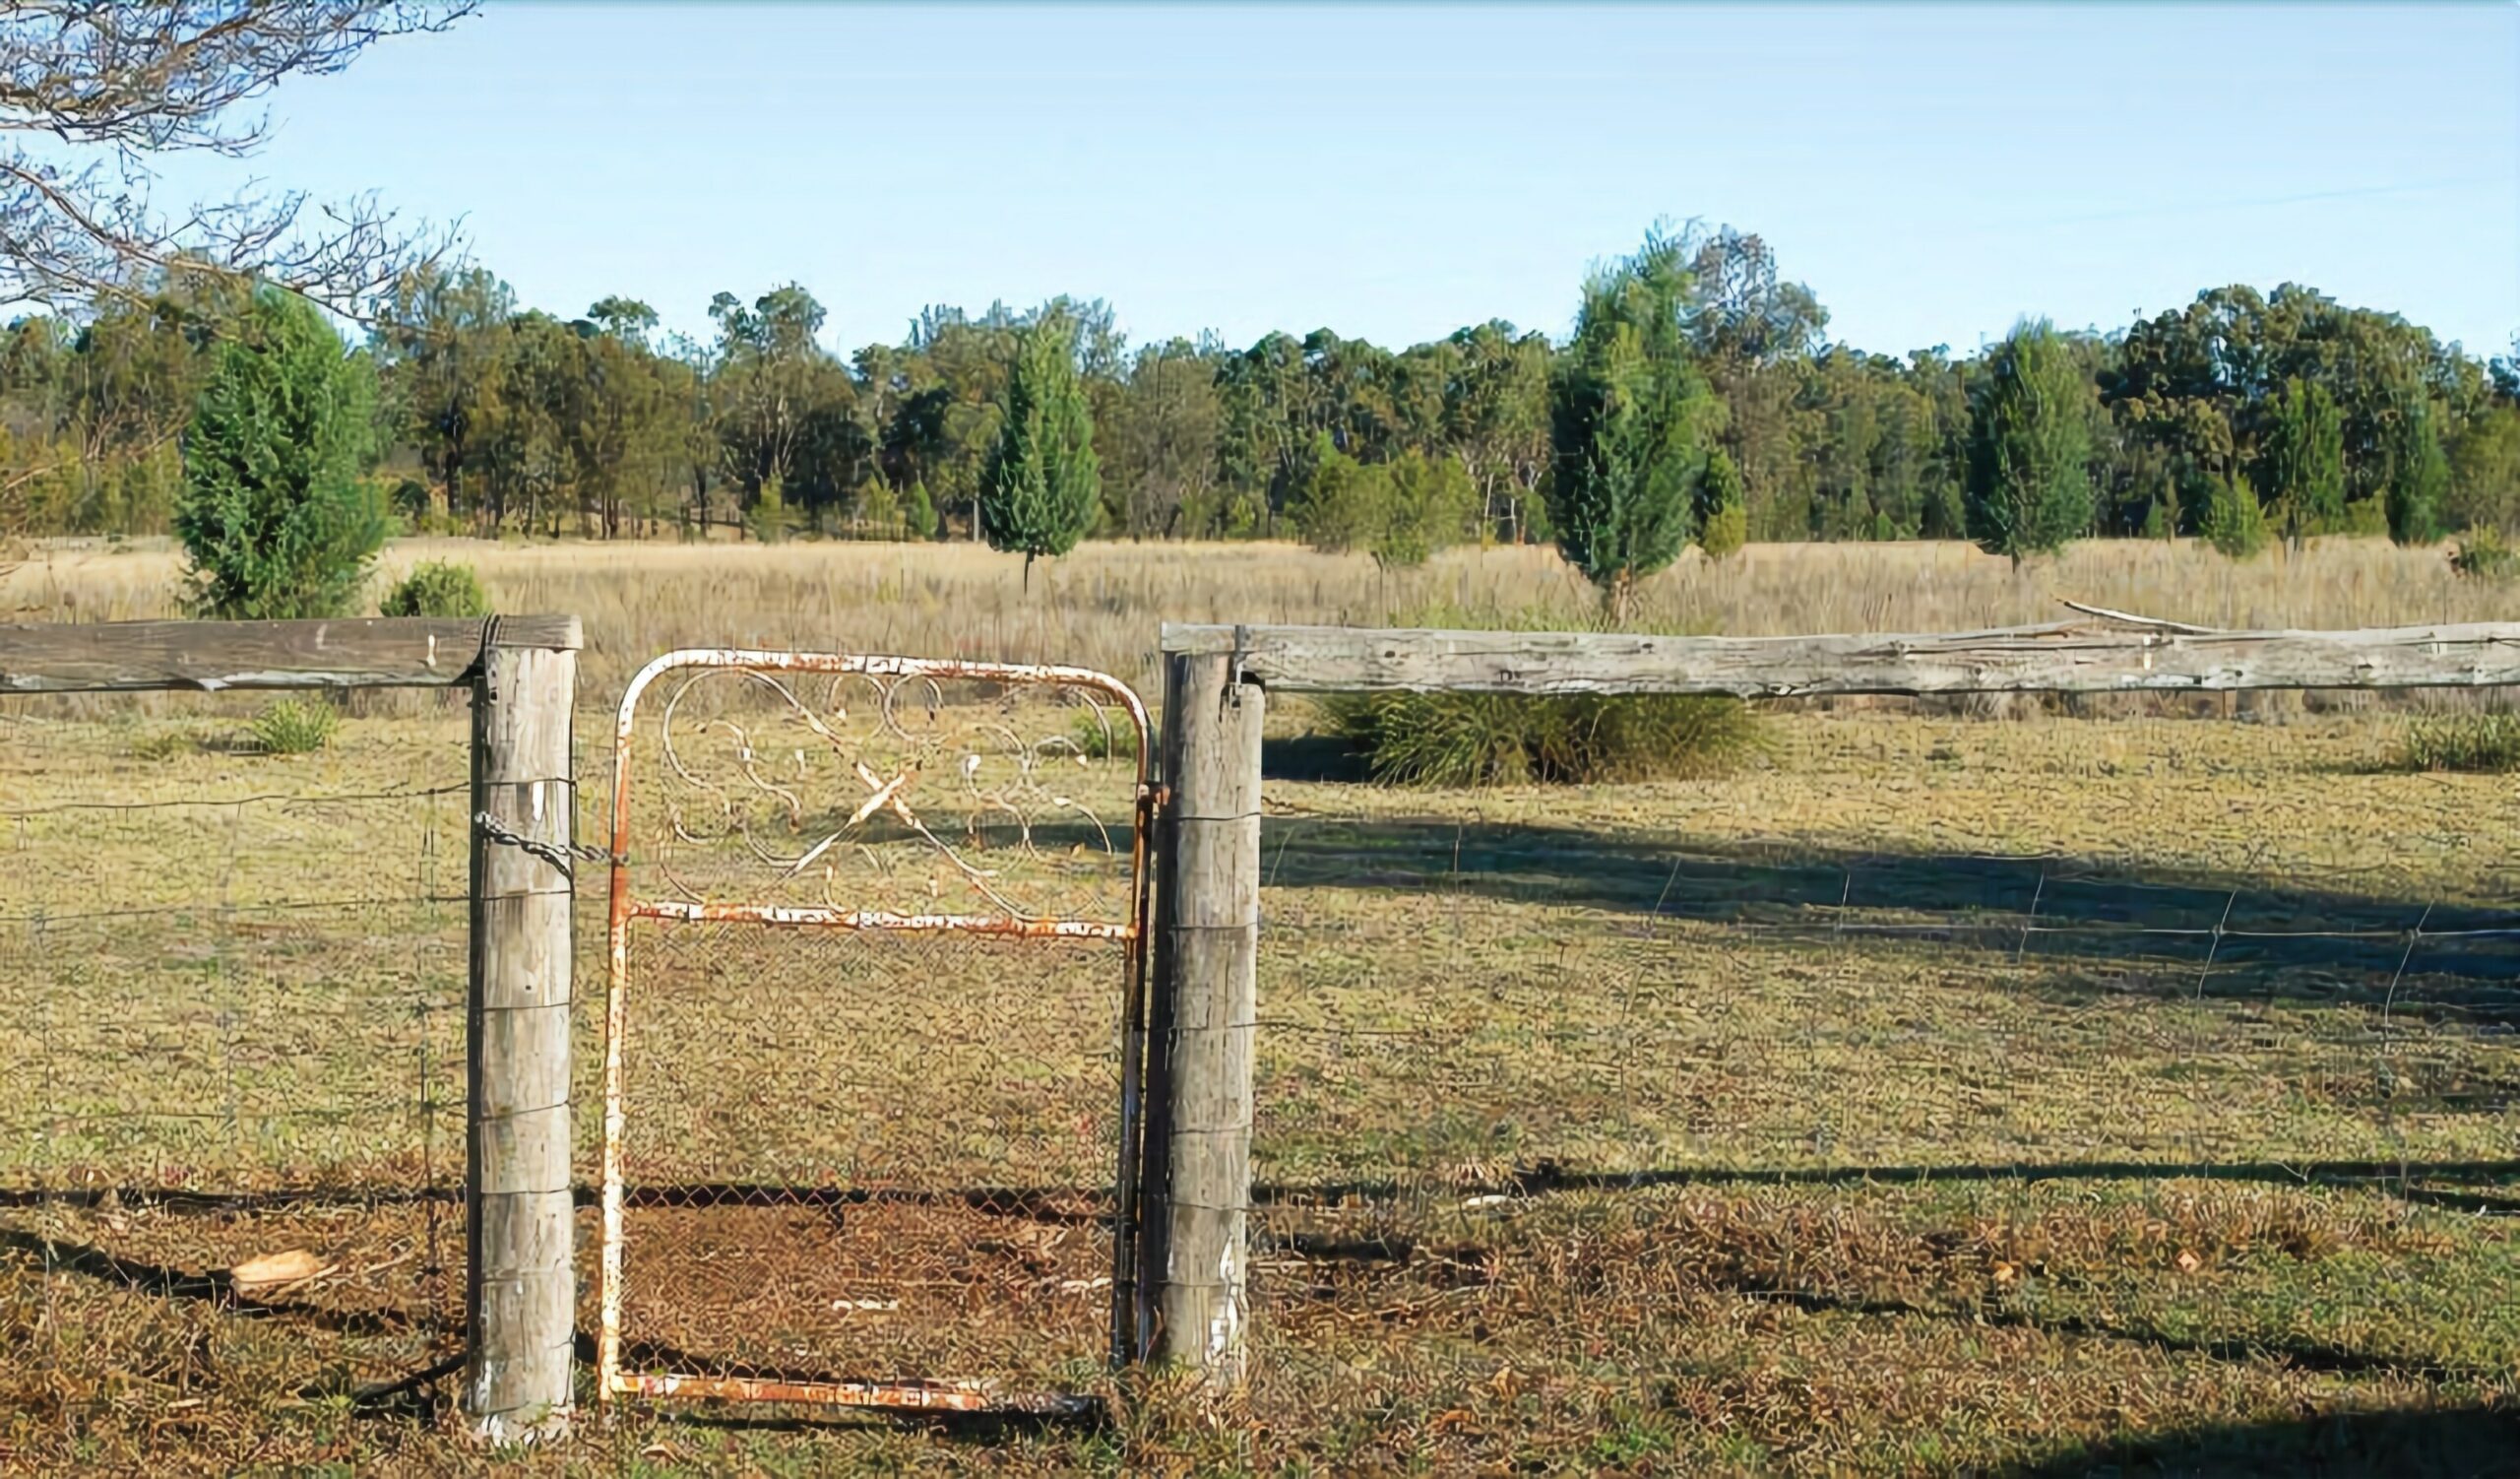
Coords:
pixel 1925 1077
pixel 869 1157
pixel 232 1003
pixel 878 940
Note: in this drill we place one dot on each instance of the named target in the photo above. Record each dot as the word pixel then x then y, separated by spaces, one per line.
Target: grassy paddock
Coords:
pixel 1828 1115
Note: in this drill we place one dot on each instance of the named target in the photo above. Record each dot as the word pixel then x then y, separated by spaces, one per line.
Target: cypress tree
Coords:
pixel 273 520
pixel 1626 411
pixel 920 512
pixel 2029 491
pixel 2419 474
pixel 2301 468
pixel 2234 522
pixel 1043 483
pixel 1722 517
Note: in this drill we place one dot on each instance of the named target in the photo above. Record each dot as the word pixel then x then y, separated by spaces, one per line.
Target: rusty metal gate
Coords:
pixel 873 1032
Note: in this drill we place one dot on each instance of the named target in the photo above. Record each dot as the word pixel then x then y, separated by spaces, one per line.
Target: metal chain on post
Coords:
pixel 561 856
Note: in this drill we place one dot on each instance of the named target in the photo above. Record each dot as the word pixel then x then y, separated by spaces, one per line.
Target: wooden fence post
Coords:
pixel 1197 1168
pixel 519 1287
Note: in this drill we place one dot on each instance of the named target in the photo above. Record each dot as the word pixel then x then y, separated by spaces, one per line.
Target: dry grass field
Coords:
pixel 1102 606
pixel 2104 1090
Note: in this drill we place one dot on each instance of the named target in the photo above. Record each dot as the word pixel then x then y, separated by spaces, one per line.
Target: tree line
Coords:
pixel 2240 416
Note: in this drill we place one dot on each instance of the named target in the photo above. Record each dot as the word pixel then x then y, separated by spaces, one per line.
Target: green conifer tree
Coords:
pixel 2029 491
pixel 1629 413
pixel 274 518
pixel 1043 483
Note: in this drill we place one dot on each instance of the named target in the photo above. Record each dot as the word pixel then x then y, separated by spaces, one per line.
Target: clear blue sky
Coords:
pixel 1396 173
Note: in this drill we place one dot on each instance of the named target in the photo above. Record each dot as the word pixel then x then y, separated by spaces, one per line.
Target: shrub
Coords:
pixel 1241 517
pixel 2418 474
pixel 296 727
pixel 920 512
pixel 1398 512
pixel 1724 522
pixel 877 505
pixel 1511 739
pixel 1452 739
pixel 769 518
pixel 2366 519
pixel 1340 501
pixel 2483 555
pixel 160 744
pixel 410 503
pixel 2487 743
pixel 438 588
pixel 274 520
pixel 2234 522
pixel 1726 530
pixel 1109 736
pixel 1430 505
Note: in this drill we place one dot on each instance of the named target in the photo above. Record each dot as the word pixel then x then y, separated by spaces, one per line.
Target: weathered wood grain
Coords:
pixel 519 1286
pixel 1197 1169
pixel 2083 657
pixel 353 653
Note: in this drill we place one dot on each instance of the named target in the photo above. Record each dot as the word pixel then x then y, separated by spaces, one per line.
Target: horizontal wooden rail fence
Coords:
pixel 519 1280
pixel 2104 653
pixel 1205 1011
pixel 368 652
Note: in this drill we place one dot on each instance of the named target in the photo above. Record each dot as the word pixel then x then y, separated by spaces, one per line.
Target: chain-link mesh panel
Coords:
pixel 1922 1073
pixel 231 1129
pixel 868 1156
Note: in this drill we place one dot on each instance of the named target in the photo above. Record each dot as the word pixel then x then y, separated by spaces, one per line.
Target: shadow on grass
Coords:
pixel 2307 1355
pixel 168 1283
pixel 1313 758
pixel 2449 1184
pixel 2153 935
pixel 2458 1184
pixel 2460 1441
pixel 414 1395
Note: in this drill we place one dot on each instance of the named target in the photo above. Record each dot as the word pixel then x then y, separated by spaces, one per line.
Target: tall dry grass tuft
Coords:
pixel 1513 739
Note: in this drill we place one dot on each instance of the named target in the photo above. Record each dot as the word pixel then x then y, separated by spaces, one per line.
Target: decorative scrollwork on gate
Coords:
pixel 941 789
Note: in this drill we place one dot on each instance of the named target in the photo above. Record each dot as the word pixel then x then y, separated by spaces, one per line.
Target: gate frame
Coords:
pixel 610 1382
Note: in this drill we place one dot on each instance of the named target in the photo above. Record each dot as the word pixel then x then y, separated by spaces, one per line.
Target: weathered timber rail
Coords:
pixel 2099 655
pixel 367 651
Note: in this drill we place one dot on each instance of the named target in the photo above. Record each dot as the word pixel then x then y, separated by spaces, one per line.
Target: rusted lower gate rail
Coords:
pixel 522 671
pixel 1197 1176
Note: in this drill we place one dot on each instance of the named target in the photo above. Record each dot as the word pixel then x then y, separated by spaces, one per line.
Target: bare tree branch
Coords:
pixel 110 84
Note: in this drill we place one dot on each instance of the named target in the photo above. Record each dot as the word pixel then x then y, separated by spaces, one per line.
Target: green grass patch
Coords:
pixel 296 727
pixel 2484 743
pixel 2483 555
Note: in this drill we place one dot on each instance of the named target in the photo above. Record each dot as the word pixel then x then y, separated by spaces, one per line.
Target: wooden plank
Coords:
pixel 2081 657
pixel 358 652
pixel 1197 1171
pixel 519 1286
